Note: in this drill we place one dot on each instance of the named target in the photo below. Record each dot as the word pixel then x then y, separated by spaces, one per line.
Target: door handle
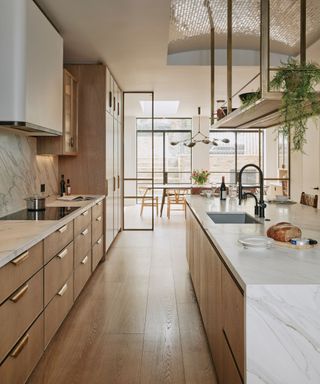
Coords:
pixel 114 184
pixel 114 103
pixel 118 181
pixel 107 187
pixel 110 99
pixel 316 188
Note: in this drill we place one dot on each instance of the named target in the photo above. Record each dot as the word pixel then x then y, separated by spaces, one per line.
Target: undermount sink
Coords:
pixel 232 218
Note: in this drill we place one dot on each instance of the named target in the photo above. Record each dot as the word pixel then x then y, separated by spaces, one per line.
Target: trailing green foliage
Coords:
pixel 300 100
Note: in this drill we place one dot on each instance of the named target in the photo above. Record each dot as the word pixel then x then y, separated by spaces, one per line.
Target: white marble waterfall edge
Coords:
pixel 283 334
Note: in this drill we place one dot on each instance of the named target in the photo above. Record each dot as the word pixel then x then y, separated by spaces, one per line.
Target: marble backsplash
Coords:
pixel 22 171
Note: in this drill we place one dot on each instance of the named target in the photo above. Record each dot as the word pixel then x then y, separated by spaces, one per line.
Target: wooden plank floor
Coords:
pixel 136 321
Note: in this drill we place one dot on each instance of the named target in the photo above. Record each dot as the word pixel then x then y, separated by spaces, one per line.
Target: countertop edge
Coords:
pixel 56 224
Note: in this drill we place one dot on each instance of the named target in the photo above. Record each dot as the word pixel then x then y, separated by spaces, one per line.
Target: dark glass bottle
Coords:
pixel 68 187
pixel 62 186
pixel 223 190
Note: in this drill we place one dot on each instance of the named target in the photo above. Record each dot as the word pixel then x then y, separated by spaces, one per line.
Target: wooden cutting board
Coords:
pixel 292 246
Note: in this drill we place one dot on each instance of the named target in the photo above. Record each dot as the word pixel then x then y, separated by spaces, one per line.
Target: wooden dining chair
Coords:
pixel 311 200
pixel 176 197
pixel 147 201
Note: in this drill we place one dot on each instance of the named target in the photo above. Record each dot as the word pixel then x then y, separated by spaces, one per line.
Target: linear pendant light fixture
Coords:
pixel 199 137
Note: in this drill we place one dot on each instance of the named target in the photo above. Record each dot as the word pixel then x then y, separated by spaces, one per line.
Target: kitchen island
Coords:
pixel 260 308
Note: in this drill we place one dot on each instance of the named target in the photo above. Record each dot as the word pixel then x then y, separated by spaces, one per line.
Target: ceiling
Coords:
pixel 132 37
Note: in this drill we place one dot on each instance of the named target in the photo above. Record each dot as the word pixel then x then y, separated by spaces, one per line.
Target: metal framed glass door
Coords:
pixel 138 203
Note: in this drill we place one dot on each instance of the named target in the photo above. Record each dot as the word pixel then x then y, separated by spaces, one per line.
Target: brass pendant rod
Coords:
pixel 229 58
pixel 303 25
pixel 264 46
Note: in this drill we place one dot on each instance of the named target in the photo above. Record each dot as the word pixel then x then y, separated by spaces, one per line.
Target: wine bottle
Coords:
pixel 223 190
pixel 62 186
pixel 68 187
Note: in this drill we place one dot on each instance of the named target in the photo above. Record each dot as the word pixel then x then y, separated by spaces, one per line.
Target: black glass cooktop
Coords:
pixel 50 213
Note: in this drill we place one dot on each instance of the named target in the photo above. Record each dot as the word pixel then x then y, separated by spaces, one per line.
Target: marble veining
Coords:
pixel 22 171
pixel 283 334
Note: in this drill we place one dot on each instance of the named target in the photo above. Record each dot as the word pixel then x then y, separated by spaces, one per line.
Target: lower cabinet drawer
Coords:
pixel 55 242
pixel 97 228
pixel 97 210
pixel 57 271
pixel 82 221
pixel 20 269
pixel 57 310
pixel 82 274
pixel 97 252
pixel 19 311
pixel 24 356
pixel 82 245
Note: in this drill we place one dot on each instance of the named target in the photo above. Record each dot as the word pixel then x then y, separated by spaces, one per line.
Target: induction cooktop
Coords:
pixel 50 213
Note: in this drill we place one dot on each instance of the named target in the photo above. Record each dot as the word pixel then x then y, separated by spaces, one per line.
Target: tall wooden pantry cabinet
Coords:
pixel 97 167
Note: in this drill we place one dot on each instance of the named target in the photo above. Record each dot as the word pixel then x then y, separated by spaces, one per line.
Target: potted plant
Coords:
pixel 300 100
pixel 200 178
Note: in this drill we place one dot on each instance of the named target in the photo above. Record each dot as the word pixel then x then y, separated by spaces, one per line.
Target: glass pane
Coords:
pixel 222 160
pixel 247 149
pixel 165 124
pixel 138 149
pixel 177 158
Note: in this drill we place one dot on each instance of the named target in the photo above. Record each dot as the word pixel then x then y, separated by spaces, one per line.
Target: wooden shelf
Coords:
pixel 264 113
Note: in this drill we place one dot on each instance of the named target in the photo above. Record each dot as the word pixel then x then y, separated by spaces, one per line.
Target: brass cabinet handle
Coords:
pixel 20 259
pixel 84 213
pixel 84 261
pixel 63 229
pixel 22 343
pixel 99 241
pixel 63 290
pixel 85 232
pixel 63 253
pixel 19 294
pixel 99 203
pixel 99 218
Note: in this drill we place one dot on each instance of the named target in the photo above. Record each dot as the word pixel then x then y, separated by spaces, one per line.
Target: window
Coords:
pixel 227 159
pixel 172 164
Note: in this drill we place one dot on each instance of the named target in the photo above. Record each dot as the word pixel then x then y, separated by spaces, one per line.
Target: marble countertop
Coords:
pixel 17 236
pixel 277 265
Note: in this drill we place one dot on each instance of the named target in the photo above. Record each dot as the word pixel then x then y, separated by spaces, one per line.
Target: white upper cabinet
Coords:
pixel 31 71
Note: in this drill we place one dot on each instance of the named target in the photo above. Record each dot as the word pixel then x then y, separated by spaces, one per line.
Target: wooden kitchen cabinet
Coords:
pixel 82 273
pixel 233 317
pixel 19 311
pixel 20 269
pixel 24 356
pixel 57 310
pixel 55 242
pixel 67 144
pixel 221 303
pixel 57 271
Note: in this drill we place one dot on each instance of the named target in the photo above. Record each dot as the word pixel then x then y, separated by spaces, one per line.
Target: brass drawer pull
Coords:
pixel 63 229
pixel 85 232
pixel 85 260
pixel 63 290
pixel 99 218
pixel 20 259
pixel 63 253
pixel 84 213
pixel 22 343
pixel 99 241
pixel 99 203
pixel 19 294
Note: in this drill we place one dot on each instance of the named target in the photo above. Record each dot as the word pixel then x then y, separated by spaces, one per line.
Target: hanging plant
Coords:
pixel 299 100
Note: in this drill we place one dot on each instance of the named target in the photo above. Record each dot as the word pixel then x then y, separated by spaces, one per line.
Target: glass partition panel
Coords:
pixel 139 201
